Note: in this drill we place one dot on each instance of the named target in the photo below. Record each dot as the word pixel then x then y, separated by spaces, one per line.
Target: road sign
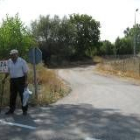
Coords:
pixel 3 66
pixel 35 55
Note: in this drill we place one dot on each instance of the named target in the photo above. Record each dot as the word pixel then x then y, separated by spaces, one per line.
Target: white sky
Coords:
pixel 114 15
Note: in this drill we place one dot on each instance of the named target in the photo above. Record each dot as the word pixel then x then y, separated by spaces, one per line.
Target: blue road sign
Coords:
pixel 35 56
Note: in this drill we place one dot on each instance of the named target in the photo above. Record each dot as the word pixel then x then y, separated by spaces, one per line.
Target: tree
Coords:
pixel 67 34
pixel 65 38
pixel 88 34
pixel 14 35
pixel 106 48
pixel 123 46
pixel 133 36
pixel 55 36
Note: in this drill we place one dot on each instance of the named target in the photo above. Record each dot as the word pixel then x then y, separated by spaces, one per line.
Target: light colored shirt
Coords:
pixel 17 69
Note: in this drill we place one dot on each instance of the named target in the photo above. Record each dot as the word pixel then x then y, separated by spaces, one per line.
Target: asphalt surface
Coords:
pixel 98 108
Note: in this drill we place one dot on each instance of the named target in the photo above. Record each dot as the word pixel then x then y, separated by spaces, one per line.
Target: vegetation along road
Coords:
pixel 98 108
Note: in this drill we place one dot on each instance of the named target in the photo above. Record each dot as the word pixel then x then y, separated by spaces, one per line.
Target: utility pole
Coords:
pixel 134 45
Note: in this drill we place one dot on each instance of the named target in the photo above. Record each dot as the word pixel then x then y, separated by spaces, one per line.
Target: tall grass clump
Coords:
pixel 5 98
pixel 129 67
pixel 50 87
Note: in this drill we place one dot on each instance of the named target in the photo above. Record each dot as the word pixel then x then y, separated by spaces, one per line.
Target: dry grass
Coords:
pixel 6 94
pixel 98 59
pixel 50 87
pixel 124 68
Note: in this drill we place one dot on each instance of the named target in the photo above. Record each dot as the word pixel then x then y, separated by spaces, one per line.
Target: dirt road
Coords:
pixel 98 108
pixel 101 91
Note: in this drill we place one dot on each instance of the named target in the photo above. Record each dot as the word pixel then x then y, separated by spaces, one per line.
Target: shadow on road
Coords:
pixel 12 132
pixel 73 122
pixel 76 122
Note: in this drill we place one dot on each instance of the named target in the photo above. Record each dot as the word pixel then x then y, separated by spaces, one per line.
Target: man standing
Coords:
pixel 17 69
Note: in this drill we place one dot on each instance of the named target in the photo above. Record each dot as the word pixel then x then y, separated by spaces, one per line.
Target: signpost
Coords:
pixel 35 57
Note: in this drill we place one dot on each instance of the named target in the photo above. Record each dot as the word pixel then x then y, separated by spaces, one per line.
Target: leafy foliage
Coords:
pixel 62 39
pixel 88 33
pixel 123 46
pixel 106 48
pixel 13 35
pixel 133 34
pixel 54 36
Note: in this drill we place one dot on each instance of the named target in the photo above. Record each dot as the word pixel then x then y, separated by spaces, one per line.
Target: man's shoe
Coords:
pixel 24 113
pixel 9 112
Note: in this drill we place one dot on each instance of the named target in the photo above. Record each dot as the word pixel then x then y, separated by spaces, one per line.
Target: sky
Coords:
pixel 114 15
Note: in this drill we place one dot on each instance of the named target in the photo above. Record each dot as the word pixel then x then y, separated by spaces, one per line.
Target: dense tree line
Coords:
pixel 70 38
pixel 124 45
pixel 76 37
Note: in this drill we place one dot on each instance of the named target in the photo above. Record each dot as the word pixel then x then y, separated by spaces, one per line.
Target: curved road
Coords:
pixel 100 91
pixel 98 108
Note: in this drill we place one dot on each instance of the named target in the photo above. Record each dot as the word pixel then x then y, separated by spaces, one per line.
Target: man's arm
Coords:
pixel 26 79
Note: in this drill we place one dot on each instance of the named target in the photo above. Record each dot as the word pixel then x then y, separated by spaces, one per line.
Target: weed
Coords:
pixel 50 87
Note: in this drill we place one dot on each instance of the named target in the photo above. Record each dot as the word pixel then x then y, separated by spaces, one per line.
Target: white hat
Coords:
pixel 14 51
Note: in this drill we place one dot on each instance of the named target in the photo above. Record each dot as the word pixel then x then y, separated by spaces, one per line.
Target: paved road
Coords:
pixel 98 108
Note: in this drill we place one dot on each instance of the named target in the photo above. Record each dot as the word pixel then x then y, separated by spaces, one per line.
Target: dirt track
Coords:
pixel 101 91
pixel 98 108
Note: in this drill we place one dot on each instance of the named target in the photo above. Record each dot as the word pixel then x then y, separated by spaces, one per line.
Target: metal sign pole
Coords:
pixel 34 69
pixel 35 57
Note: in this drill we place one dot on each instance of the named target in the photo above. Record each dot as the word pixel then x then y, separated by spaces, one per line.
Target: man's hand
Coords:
pixel 26 84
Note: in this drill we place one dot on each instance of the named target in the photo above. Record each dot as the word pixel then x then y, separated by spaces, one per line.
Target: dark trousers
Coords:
pixel 17 86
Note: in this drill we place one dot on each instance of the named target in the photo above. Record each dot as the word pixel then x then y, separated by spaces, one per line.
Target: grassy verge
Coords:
pixel 123 68
pixel 50 87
